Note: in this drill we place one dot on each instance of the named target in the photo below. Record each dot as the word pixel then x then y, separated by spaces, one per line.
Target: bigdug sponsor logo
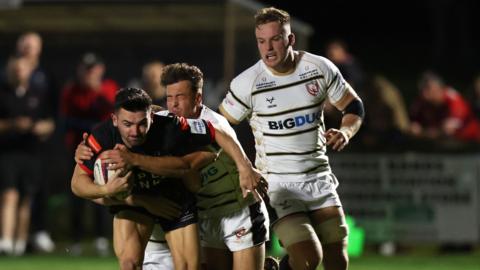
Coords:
pixel 296 121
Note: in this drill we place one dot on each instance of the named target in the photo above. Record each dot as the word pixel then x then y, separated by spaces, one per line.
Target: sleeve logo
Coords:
pixel 197 126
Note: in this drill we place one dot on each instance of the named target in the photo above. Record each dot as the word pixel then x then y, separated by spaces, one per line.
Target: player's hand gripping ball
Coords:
pixel 101 176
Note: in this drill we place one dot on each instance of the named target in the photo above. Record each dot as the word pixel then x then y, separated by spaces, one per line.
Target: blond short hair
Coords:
pixel 271 14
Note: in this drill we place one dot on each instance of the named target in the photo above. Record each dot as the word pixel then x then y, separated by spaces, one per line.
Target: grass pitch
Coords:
pixel 470 261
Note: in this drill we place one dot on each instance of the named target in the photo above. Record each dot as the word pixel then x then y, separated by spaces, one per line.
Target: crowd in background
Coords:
pixel 33 107
pixel 440 115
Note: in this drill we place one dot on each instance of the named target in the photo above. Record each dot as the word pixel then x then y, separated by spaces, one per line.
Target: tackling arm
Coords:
pixel 166 166
pixel 121 158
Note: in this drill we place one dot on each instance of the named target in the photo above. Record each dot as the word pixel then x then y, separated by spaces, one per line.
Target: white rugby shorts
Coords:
pixel 157 257
pixel 240 230
pixel 287 198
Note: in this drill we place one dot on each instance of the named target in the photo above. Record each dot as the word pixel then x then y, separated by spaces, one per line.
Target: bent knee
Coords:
pixel 294 230
pixel 333 230
pixel 130 264
pixel 298 236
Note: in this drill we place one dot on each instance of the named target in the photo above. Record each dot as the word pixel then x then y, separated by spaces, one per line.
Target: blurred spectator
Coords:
pixel 86 101
pixel 25 121
pixel 386 122
pixel 151 73
pixel 337 52
pixel 474 96
pixel 29 47
pixel 441 112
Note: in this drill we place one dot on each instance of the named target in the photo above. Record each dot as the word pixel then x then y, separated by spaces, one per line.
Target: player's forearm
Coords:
pixel 350 124
pixel 199 159
pixel 83 186
pixel 165 166
pixel 106 201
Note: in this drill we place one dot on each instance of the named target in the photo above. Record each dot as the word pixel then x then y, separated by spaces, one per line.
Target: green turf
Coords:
pixel 370 262
pixel 55 262
pixel 417 262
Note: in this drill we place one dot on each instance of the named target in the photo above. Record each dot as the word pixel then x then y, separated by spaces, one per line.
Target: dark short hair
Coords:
pixel 271 14
pixel 177 72
pixel 428 77
pixel 132 99
pixel 90 60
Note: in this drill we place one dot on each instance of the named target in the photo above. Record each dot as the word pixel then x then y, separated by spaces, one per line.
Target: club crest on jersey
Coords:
pixel 240 232
pixel 313 88
pixel 228 101
pixel 270 100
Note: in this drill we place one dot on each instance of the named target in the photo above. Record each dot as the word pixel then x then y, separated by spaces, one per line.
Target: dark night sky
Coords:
pixel 399 38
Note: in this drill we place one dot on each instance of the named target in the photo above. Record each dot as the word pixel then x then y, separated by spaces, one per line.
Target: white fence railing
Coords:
pixel 419 198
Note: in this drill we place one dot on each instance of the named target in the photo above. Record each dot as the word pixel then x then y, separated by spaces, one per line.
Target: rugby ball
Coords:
pixel 101 176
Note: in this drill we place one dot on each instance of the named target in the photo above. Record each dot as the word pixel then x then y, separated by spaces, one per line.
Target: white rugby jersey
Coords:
pixel 217 120
pixel 286 115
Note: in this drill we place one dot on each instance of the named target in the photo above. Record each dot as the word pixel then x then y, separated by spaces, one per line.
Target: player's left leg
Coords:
pixel 298 237
pixel 131 231
pixel 217 258
pixel 249 259
pixel 215 254
pixel 331 228
pixel 184 245
pixel 250 227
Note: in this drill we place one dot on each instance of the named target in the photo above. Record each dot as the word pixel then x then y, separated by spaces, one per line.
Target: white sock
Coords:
pixel 20 246
pixel 6 245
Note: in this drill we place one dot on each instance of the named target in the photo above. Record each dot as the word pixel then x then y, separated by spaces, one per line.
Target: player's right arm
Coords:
pixel 166 166
pixel 237 104
pixel 346 100
pixel 170 166
pixel 83 186
pixel 230 118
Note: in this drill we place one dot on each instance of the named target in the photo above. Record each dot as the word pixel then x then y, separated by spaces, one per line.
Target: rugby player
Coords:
pixel 283 96
pixel 146 139
pixel 233 227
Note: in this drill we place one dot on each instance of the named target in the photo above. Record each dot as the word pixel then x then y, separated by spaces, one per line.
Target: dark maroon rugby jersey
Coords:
pixel 168 136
